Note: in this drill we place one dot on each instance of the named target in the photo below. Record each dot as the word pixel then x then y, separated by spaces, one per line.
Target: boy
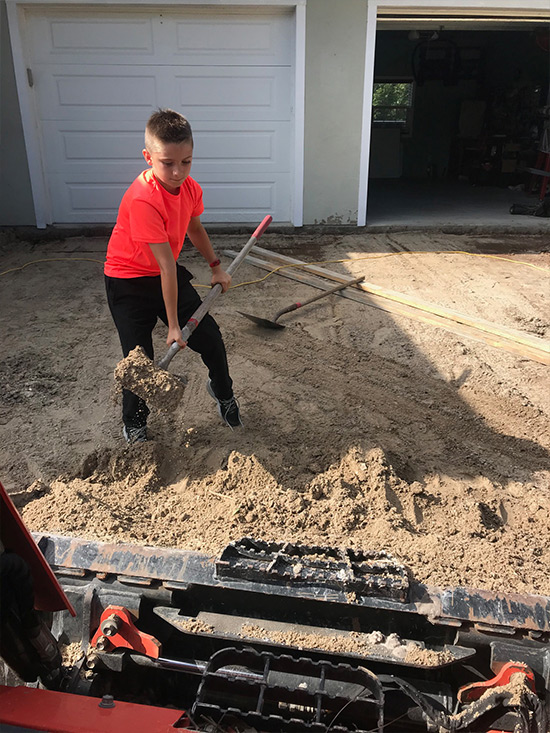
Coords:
pixel 143 280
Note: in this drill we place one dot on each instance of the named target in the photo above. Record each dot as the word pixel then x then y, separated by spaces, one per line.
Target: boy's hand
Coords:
pixel 220 276
pixel 174 334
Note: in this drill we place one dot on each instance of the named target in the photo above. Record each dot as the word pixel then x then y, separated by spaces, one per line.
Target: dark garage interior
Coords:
pixel 461 120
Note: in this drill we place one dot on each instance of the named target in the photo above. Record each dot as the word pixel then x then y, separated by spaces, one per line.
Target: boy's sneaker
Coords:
pixel 228 409
pixel 135 435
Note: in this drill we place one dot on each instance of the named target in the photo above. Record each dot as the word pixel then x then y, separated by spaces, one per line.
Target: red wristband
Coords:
pixel 215 263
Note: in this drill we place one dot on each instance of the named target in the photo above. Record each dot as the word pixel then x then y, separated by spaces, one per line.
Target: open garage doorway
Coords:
pixel 460 120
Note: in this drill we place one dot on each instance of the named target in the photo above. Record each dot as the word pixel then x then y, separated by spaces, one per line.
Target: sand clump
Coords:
pixel 156 386
pixel 71 653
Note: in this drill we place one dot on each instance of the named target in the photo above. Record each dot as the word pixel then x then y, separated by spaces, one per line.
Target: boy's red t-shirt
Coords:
pixel 148 214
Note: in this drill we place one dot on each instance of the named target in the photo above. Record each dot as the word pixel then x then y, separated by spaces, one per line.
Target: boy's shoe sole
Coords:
pixel 228 410
pixel 135 435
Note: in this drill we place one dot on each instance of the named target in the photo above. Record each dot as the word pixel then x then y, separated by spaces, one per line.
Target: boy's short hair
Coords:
pixel 167 126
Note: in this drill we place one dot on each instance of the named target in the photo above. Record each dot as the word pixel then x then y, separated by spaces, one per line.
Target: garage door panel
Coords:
pixel 255 196
pixel 163 37
pixel 96 93
pixel 89 185
pixel 234 94
pixel 121 91
pixel 234 147
pixel 86 200
pixel 101 92
pixel 93 200
pixel 257 145
pixel 89 196
pixel 243 201
pixel 100 73
pixel 56 38
pixel 78 147
pixel 100 147
pixel 261 40
pixel 106 146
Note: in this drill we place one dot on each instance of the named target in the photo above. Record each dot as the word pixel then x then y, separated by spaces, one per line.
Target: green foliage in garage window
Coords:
pixel 392 103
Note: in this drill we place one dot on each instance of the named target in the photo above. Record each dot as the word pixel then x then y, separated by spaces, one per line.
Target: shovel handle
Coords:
pixel 335 289
pixel 260 229
pixel 206 304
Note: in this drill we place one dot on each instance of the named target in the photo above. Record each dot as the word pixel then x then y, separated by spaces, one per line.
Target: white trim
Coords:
pixel 299 114
pixel 16 25
pixel 82 4
pixel 28 117
pixel 370 46
pixel 483 7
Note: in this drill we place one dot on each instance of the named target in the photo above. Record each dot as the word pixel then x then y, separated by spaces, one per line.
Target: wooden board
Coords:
pixel 528 347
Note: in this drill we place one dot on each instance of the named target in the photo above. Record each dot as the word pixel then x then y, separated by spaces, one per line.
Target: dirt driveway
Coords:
pixel 362 427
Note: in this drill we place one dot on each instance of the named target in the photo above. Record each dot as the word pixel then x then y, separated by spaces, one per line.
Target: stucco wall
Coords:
pixel 335 56
pixel 16 207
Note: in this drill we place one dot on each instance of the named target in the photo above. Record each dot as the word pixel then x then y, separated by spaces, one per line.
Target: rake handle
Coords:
pixel 206 304
pixel 335 289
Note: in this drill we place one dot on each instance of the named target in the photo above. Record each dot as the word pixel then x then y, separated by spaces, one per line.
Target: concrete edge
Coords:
pixel 60 233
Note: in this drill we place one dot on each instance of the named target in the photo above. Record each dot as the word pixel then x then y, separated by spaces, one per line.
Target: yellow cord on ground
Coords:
pixel 50 259
pixel 520 341
pixel 387 254
pixel 321 262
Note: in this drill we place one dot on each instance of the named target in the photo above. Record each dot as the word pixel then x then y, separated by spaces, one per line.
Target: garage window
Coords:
pixel 392 104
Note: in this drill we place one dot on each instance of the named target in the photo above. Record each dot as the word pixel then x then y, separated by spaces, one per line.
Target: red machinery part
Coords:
pixel 117 629
pixel 61 712
pixel 472 692
pixel 48 594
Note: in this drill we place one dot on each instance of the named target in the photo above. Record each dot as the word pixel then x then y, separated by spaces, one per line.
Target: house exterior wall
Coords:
pixel 335 136
pixel 335 43
pixel 16 206
pixel 335 57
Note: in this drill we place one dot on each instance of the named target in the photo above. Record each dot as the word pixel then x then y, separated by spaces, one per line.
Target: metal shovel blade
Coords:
pixel 264 322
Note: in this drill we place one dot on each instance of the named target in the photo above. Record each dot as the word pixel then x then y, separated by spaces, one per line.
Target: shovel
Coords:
pixel 266 323
pixel 155 384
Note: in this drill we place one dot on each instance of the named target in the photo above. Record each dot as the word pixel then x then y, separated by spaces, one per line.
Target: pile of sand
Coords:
pixel 443 534
pixel 363 428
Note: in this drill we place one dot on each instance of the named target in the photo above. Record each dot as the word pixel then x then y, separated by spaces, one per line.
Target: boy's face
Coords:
pixel 171 163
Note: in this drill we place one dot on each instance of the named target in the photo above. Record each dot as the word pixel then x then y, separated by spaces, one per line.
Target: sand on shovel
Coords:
pixel 155 385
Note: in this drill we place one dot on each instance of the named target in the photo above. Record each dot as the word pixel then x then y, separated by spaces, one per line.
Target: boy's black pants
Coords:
pixel 136 303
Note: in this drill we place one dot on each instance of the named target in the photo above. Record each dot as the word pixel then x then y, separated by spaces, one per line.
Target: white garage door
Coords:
pixel 98 74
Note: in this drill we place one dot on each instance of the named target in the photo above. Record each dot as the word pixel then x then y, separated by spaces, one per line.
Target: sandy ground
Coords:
pixel 362 428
